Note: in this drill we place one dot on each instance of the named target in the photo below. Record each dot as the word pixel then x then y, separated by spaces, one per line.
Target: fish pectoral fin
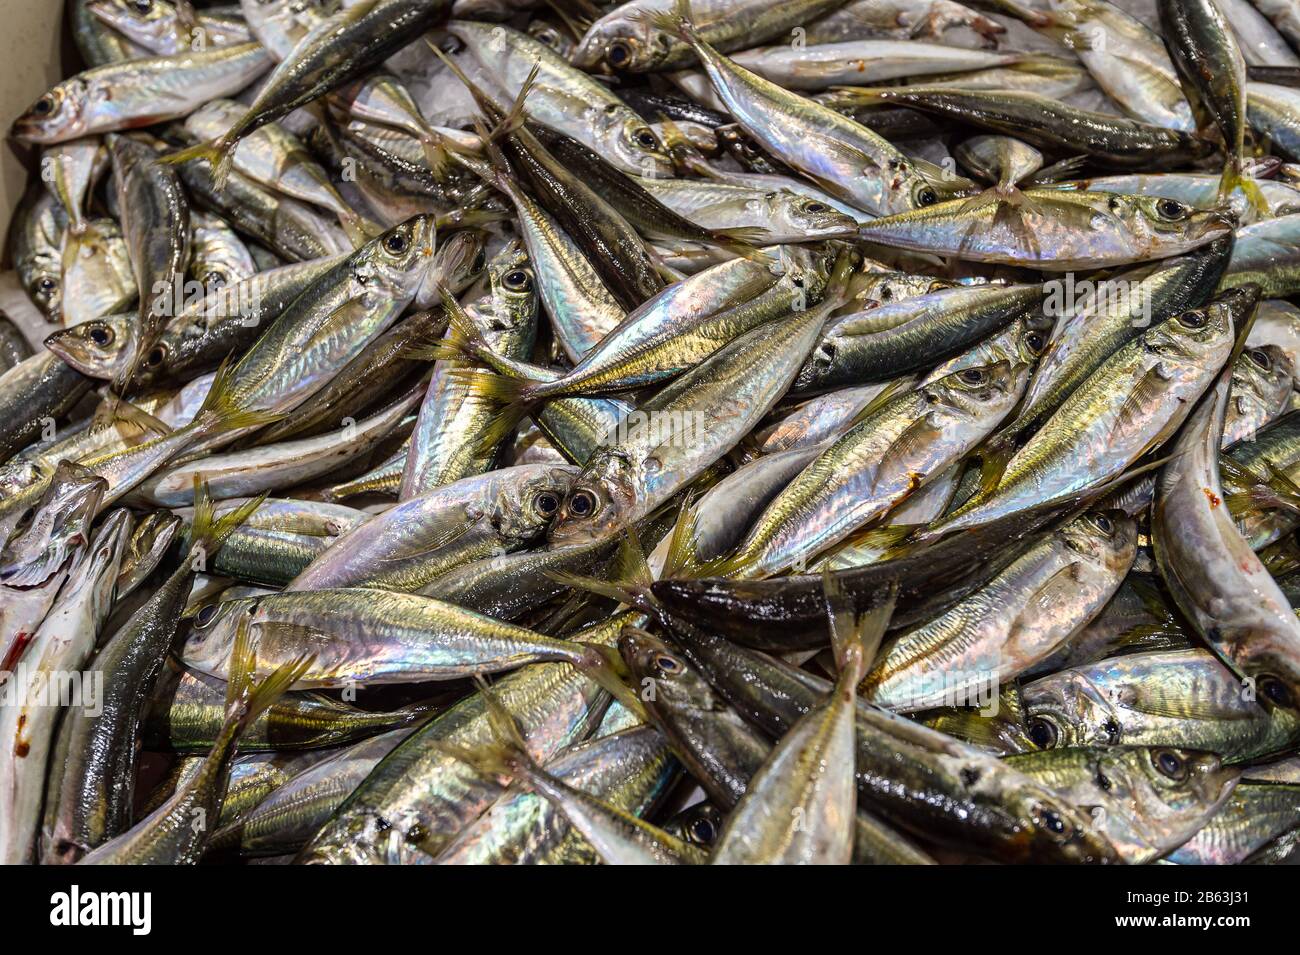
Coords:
pixel 1059 587
pixel 904 449
pixel 1149 388
pixel 442 531
pixel 350 312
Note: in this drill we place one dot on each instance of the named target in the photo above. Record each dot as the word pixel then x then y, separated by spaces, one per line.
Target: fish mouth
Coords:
pixel 25 131
pixel 1216 223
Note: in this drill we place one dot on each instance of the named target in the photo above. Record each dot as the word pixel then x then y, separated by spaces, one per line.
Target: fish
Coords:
pixel 334 51
pixel 138 92
pixel 1204 48
pixel 62 644
pixel 1046 595
pixel 1054 230
pixel 1113 141
pixel 1186 699
pixel 1255 637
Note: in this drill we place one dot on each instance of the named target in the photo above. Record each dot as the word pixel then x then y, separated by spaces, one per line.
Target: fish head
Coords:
pixel 622 44
pixel 981 394
pixel 1105 538
pixel 807 215
pixel 96 348
pixel 97 573
pixel 524 511
pixel 598 504
pixel 699 825
pixel 1051 828
pixel 43 282
pixel 208 646
pixel 460 259
pixel 1199 337
pixel 1154 798
pixel 512 284
pixel 679 689
pixel 1068 709
pixel 631 145
pixel 1165 226
pixel 401 260
pixel 54 529
pixel 1030 337
pixel 59 114
pixel 144 22
pixel 1263 376
pixel 905 188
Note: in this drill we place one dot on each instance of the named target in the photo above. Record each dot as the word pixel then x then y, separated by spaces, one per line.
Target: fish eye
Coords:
pixel 1260 359
pixel 816 207
pixel 45 105
pixel 1275 691
pixel 547 503
pixel 157 355
pixel 618 54
pixel 926 196
pixel 1103 524
pixel 1113 731
pixel 144 6
pixel 214 279
pixel 396 243
pixel 973 376
pixel 1172 210
pixel 582 504
pixel 668 665
pixel 1193 319
pixel 516 280
pixel 101 335
pixel 646 139
pixel 1170 764
pixel 1051 820
pixel 1103 782
pixel 1042 733
pixel 703 831
pixel 1036 342
pixel 205 616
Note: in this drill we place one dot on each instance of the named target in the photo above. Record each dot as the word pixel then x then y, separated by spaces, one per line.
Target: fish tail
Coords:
pixel 855 635
pixel 210 532
pixel 512 395
pixel 506 754
pixel 678 21
pixel 515 116
pixel 627 578
pixel 606 667
pixel 435 154
pixel 883 538
pixel 864 96
pixel 1234 177
pixel 462 335
pixel 219 154
pixel 220 415
pixel 682 559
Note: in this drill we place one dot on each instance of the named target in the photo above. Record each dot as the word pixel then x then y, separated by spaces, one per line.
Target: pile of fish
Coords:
pixel 735 431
